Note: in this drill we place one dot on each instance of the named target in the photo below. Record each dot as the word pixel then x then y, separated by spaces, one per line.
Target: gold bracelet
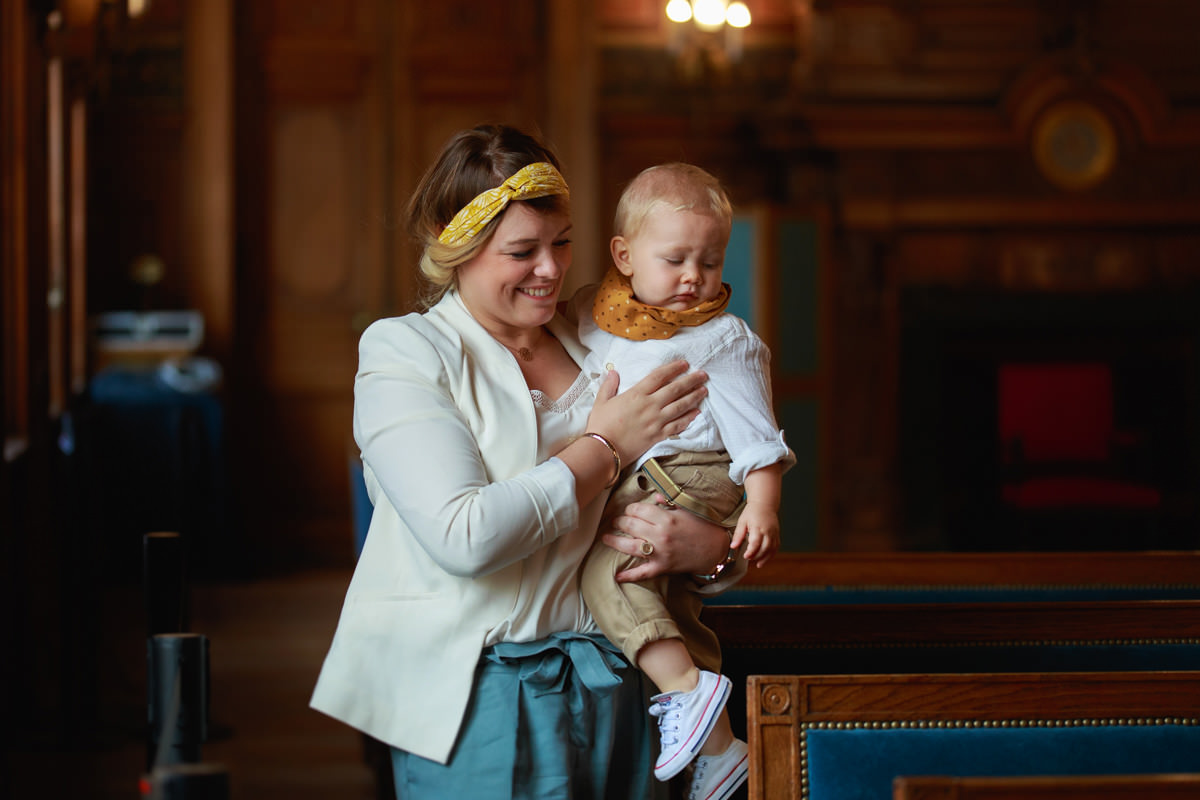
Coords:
pixel 729 560
pixel 616 457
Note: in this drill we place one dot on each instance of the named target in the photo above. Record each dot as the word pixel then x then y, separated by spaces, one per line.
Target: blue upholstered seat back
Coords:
pixel 858 762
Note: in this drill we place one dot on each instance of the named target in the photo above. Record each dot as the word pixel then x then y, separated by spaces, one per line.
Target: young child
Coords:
pixel 663 299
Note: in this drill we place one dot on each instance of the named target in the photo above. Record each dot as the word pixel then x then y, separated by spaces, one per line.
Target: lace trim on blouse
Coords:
pixel 569 398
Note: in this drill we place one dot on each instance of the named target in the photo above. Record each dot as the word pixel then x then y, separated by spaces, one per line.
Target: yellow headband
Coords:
pixel 536 180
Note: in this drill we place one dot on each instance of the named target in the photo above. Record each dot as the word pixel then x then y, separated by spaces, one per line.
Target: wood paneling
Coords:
pixel 207 177
pixel 16 257
pixel 913 127
pixel 355 100
pixel 315 264
pixel 908 126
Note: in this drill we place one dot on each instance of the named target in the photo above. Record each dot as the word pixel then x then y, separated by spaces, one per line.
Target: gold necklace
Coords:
pixel 523 353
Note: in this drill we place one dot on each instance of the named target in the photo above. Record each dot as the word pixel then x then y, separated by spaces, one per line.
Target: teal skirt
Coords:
pixel 563 718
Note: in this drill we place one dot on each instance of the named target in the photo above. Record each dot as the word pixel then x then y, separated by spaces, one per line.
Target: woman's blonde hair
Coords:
pixel 676 185
pixel 472 162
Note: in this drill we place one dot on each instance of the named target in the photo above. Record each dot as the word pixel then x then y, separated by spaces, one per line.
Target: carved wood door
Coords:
pixel 342 104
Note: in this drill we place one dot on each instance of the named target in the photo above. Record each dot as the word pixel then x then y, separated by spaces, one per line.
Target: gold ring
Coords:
pixel 647 549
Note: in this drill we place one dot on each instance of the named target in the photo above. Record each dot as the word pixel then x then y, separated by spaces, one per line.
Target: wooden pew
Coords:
pixel 847 737
pixel 844 613
pixel 791 578
pixel 953 638
pixel 1074 787
pixel 946 568
pixel 955 624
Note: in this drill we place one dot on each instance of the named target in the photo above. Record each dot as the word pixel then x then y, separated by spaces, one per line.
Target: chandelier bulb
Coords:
pixel 679 10
pixel 738 15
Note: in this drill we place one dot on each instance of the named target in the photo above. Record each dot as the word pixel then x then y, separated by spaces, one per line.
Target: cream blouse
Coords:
pixel 548 600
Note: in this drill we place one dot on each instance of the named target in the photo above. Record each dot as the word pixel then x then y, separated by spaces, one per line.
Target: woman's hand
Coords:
pixel 660 405
pixel 678 540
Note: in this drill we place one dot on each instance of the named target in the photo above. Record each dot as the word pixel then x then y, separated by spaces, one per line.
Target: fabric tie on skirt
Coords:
pixel 548 720
pixel 595 660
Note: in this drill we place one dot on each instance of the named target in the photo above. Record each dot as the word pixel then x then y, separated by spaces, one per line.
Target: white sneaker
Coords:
pixel 718 777
pixel 684 721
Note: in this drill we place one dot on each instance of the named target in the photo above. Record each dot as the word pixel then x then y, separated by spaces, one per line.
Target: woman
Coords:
pixel 464 643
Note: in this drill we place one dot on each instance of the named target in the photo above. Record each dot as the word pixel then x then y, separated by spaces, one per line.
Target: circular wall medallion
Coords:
pixel 1075 145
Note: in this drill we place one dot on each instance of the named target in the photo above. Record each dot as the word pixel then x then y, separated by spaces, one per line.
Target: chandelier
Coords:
pixel 713 39
pixel 709 15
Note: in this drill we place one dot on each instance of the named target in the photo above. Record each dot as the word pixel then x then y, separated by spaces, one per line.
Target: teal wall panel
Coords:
pixel 798 509
pixel 739 272
pixel 798 297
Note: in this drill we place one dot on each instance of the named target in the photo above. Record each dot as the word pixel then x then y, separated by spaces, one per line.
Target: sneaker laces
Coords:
pixel 668 711
pixel 697 775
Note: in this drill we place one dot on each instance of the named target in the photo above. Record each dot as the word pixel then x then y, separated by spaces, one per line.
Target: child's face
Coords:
pixel 675 260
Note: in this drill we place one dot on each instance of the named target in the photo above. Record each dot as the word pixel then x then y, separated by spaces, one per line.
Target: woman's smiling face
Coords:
pixel 513 284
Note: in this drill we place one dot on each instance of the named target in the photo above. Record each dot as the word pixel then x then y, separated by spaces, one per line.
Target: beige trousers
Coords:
pixel 632 615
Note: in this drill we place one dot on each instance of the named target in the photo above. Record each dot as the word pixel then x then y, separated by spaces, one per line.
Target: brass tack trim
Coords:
pixel 950 645
pixel 922 724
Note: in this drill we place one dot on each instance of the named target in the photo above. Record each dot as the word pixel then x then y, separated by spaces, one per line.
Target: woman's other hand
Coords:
pixel 660 405
pixel 667 539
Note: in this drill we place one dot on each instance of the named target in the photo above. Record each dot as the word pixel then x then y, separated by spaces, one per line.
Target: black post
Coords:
pixel 177 689
pixel 164 581
pixel 186 782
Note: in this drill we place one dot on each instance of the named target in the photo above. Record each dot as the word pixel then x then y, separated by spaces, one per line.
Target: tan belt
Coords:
pixel 678 497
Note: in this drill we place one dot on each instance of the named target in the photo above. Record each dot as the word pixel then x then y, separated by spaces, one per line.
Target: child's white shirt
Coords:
pixel 736 416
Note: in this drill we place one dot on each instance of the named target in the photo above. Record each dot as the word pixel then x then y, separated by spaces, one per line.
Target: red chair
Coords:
pixel 1060 448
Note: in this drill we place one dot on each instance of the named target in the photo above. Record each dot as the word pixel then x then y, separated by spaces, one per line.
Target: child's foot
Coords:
pixel 684 721
pixel 718 777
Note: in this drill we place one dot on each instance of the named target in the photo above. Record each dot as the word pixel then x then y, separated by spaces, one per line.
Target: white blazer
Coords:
pixel 448 435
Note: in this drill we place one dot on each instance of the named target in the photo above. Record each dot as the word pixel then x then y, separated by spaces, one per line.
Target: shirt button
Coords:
pixel 610 366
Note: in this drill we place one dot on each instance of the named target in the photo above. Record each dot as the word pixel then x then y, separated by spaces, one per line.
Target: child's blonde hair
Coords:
pixel 678 186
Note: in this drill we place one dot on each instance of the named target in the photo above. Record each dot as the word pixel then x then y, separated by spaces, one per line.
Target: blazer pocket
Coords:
pixel 385 612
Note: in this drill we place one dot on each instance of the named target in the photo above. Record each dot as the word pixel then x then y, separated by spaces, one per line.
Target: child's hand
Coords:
pixel 758 526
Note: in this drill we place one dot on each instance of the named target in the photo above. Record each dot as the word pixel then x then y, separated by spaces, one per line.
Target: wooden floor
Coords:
pixel 266 639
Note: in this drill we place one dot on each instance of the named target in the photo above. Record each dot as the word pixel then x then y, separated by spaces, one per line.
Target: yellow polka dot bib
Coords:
pixel 617 311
